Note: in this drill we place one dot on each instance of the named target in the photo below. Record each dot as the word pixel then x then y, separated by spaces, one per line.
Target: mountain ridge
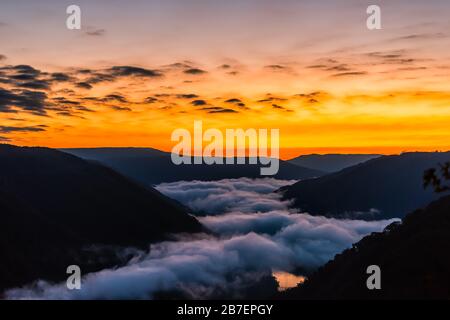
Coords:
pixel 414 259
pixel 150 168
pixel 380 188
pixel 331 162
pixel 55 206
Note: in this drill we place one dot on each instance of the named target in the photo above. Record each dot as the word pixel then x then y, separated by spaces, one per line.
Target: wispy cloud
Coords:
pixel 194 71
pixel 348 74
pixel 96 32
pixel 420 36
pixel 8 129
pixel 218 110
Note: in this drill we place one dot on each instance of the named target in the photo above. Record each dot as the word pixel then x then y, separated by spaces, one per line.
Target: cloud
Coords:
pixel 116 72
pixel 313 98
pixel 98 77
pixel 61 77
pixel 197 268
pixel 9 129
pixel 277 106
pixel 421 36
pixel 233 100
pixel 336 68
pixel 198 102
pixel 194 71
pixel 186 96
pixel 178 65
pixel 117 108
pixel 150 100
pixel 236 101
pixel 65 107
pixel 270 98
pixel 317 66
pixel 25 76
pixel 309 95
pixel 24 69
pixel 35 84
pixel 280 68
pixel 96 32
pixel 340 68
pixel 2 57
pixel 31 101
pixel 83 85
pixel 391 57
pixel 349 74
pixel 66 113
pixel 124 71
pixel 227 195
pixel 83 108
pixel 114 97
pixel 63 100
pixel 275 67
pixel 218 110
pixel 162 95
pixel 249 242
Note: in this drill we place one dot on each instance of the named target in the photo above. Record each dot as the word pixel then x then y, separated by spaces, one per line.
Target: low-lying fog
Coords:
pixel 255 235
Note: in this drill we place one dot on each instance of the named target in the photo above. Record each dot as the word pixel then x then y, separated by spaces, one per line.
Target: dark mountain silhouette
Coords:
pixel 331 162
pixel 52 205
pixel 390 184
pixel 414 258
pixel 150 166
pixel 106 153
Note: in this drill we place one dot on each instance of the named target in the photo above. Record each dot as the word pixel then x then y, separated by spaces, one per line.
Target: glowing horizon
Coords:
pixel 137 71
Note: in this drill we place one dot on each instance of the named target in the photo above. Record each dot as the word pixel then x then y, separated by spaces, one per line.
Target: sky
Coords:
pixel 137 70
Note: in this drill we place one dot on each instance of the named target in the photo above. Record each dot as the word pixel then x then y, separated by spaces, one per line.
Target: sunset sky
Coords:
pixel 137 70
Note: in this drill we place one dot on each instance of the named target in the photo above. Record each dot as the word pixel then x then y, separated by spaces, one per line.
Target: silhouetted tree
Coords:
pixel 432 178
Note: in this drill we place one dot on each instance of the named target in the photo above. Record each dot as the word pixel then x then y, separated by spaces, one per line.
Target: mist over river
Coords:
pixel 254 235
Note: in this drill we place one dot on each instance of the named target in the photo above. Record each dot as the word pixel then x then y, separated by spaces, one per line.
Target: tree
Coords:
pixel 431 177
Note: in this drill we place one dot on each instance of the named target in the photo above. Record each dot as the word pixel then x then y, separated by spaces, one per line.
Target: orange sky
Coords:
pixel 328 84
